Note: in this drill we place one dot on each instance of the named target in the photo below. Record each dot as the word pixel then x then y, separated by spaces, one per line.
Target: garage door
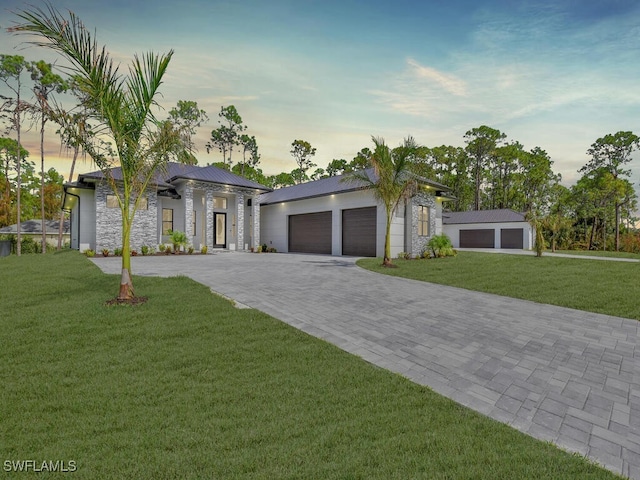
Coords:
pixel 511 238
pixel 359 232
pixel 481 238
pixel 310 233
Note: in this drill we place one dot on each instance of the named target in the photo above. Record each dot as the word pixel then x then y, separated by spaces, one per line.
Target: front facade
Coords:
pixel 212 206
pixel 221 210
pixel 331 216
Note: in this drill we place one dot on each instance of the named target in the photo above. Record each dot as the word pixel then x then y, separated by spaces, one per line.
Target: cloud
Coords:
pixel 449 83
pixel 421 90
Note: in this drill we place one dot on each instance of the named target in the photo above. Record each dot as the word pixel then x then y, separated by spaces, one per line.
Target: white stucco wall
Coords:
pixel 83 219
pixel 274 220
pixel 453 232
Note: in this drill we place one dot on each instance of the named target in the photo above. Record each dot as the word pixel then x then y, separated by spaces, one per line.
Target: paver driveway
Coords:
pixel 557 374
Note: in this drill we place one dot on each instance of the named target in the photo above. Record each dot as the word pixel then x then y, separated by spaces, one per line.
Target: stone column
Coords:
pixel 188 212
pixel 240 220
pixel 208 211
pixel 255 207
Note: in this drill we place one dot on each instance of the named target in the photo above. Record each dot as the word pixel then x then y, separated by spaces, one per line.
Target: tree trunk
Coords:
pixel 126 285
pixel 18 196
pixel 617 227
pixel 387 241
pixel 44 228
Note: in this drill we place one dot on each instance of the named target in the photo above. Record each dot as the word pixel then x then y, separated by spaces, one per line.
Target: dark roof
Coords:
pixel 326 186
pixel 504 215
pixel 210 174
pixel 176 171
pixel 35 226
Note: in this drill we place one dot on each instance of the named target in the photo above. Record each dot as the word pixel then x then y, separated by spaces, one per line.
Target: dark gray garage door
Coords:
pixel 359 232
pixel 310 233
pixel 511 238
pixel 481 238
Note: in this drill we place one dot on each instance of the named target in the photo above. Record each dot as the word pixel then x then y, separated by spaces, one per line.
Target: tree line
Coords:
pixel 490 171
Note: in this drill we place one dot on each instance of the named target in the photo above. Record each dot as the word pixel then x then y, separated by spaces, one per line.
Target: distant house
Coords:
pixel 222 210
pixel 33 229
pixel 503 228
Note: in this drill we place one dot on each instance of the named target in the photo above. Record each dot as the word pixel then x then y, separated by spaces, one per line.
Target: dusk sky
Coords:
pixel 555 74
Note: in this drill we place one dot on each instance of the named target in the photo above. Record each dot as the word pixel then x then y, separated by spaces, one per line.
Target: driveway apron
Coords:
pixel 557 374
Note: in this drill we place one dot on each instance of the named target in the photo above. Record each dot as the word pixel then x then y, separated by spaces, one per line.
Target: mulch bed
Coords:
pixel 127 301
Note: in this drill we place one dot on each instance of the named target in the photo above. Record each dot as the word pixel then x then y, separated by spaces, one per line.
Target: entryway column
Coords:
pixel 240 220
pixel 255 210
pixel 188 212
pixel 208 211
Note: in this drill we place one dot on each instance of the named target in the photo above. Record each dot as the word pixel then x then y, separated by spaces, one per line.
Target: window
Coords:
pixel 112 201
pixel 195 214
pixel 220 202
pixel 143 204
pixel 423 221
pixel 167 220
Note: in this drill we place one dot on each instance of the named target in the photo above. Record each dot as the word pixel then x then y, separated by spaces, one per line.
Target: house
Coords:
pixel 212 205
pixel 338 217
pixel 222 210
pixel 502 228
pixel 33 229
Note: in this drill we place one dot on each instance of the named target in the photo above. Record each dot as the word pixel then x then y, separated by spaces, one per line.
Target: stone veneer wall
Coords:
pixel 255 207
pixel 422 199
pixel 109 222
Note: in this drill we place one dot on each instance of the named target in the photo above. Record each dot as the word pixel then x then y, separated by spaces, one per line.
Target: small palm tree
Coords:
pixel 392 182
pixel 121 107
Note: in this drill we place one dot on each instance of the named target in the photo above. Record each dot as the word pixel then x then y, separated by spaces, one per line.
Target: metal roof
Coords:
pixel 174 171
pixel 327 186
pixel 504 215
pixel 34 226
pixel 211 174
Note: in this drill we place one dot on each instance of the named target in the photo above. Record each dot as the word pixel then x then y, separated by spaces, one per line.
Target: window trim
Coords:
pixel 165 222
pixel 111 201
pixel 424 224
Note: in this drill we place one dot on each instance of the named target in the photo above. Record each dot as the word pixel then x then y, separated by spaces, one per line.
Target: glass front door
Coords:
pixel 220 229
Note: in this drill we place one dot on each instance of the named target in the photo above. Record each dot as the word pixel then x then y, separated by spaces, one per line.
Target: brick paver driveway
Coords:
pixel 557 374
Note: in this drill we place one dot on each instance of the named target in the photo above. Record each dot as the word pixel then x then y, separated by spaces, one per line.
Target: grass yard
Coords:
pixel 186 386
pixel 599 286
pixel 599 253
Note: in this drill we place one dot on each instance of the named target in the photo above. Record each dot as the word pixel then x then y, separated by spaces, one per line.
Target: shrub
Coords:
pixel 441 246
pixel 259 249
pixel 134 253
pixel 204 249
pixel 272 250
pixel 89 253
pixel 105 252
pixel 404 256
pixel 117 252
pixel 178 239
pixel 162 247
pixel 264 247
pixel 146 250
pixel 28 245
pixel 190 250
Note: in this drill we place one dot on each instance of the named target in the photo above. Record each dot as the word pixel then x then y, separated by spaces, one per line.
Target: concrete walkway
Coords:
pixel 558 374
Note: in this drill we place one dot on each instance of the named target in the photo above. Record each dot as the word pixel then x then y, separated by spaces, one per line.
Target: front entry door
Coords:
pixel 219 230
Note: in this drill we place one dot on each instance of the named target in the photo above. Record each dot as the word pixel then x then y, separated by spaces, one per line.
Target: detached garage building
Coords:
pixel 336 217
pixel 502 228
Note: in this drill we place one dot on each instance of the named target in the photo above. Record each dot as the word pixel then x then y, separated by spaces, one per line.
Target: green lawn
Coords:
pixel 600 253
pixel 186 386
pixel 591 285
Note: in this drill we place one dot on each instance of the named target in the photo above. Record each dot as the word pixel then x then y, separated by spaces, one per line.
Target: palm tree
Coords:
pixel 391 183
pixel 121 107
